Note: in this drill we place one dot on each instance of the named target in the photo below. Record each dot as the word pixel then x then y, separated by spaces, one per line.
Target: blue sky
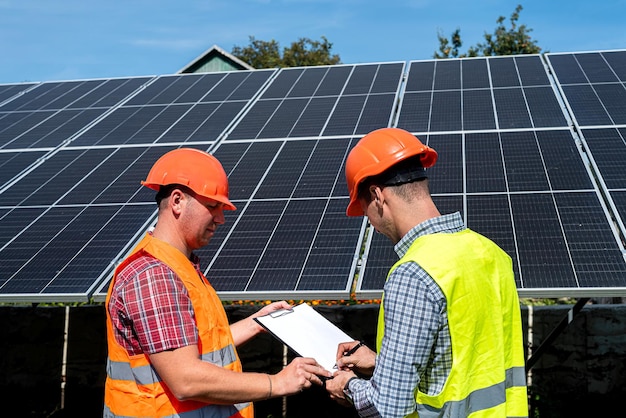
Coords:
pixel 43 40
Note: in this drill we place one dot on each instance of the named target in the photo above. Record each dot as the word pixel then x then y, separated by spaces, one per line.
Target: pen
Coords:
pixel 351 351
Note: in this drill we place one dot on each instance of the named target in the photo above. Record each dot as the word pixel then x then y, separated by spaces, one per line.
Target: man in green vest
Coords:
pixel 449 339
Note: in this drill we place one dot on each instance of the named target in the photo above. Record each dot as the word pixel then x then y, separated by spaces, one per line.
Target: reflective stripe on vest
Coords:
pixel 146 375
pixel 484 319
pixel 216 411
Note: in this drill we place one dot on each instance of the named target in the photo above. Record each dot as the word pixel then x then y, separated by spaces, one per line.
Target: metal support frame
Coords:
pixel 530 362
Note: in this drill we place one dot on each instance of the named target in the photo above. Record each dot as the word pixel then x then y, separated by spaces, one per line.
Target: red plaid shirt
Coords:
pixel 150 308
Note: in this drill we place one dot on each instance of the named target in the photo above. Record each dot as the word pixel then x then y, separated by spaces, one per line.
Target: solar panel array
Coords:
pixel 521 158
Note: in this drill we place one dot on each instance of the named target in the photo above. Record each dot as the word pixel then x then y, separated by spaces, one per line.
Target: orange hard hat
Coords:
pixel 376 152
pixel 198 170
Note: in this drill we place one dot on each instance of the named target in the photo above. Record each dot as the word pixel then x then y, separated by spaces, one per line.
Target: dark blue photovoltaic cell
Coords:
pixel 523 162
pixel 12 164
pixel 360 81
pixel 617 61
pixel 511 108
pixel 613 97
pixel 587 107
pixel 283 119
pixel 541 246
pixel 376 113
pixel 597 259
pixel 478 112
pixel 545 110
pixel 324 175
pixel 239 85
pixel 448 171
pixel 387 78
pixel 447 75
pixel 563 163
pixel 7 91
pixel 421 76
pixel 234 264
pixel 282 177
pixel 608 149
pixel 531 70
pixel 328 262
pixel 254 120
pixel 446 111
pixel 491 216
pixel 567 69
pixel 415 114
pixel 283 83
pixel 334 81
pixel 474 74
pixel 14 125
pixel 74 249
pixel 57 128
pixel 596 69
pixel 503 72
pixel 314 117
pixel 308 82
pixel 246 167
pixel 345 116
pixel 484 163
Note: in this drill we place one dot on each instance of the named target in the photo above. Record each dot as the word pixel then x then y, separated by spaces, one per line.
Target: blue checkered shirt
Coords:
pixel 416 349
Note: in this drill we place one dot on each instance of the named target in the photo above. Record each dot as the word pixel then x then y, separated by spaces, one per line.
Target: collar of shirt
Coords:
pixel 444 223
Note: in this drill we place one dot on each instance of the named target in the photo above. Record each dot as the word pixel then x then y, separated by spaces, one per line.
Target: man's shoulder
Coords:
pixel 142 265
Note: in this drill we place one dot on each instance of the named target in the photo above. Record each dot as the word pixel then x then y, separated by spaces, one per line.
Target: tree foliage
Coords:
pixel 303 52
pixel 515 40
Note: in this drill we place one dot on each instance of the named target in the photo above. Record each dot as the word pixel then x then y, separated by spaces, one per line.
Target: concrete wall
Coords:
pixel 581 374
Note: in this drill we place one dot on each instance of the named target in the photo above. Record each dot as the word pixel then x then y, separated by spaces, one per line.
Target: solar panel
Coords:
pixel 518 171
pixel 531 150
pixel 83 194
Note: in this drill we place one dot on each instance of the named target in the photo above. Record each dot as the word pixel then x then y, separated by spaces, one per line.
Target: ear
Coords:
pixel 376 194
pixel 176 200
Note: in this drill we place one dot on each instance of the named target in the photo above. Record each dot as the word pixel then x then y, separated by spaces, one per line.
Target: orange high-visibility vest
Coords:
pixel 133 388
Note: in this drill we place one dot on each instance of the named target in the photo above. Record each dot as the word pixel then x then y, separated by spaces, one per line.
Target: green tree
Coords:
pixel 515 40
pixel 304 52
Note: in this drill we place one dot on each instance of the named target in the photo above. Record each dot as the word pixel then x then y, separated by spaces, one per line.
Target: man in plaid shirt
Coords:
pixel 171 350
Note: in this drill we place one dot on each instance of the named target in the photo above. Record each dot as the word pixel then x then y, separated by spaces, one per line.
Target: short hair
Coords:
pixel 166 190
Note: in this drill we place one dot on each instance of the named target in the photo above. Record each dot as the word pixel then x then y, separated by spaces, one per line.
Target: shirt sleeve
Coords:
pixel 413 315
pixel 160 311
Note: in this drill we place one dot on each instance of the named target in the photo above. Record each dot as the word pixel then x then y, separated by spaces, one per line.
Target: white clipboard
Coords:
pixel 306 332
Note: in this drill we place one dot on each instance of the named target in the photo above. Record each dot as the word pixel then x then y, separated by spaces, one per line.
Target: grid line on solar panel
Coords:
pixel 472 94
pixel 74 249
pixel 608 151
pixel 75 94
pixel 293 251
pixel 364 102
pixel 163 119
pixel 8 91
pixel 14 163
pixel 41 97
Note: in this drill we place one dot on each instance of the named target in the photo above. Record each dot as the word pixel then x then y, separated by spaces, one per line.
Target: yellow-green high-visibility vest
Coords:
pixel 487 378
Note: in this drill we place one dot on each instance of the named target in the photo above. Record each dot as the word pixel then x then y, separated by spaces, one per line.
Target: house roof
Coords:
pixel 215 59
